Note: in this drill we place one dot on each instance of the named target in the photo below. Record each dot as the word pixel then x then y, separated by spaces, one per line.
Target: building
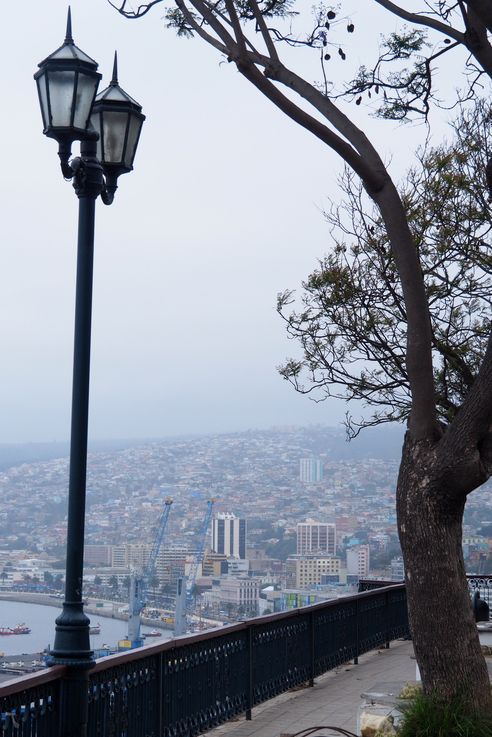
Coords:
pixel 130 555
pixel 397 569
pixel 304 571
pixel 239 593
pixel 173 563
pixel 229 535
pixel 291 599
pixel 214 564
pixel 310 470
pixel 358 560
pixel 316 537
pixel 97 555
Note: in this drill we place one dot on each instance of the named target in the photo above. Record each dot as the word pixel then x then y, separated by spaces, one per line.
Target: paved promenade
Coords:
pixel 333 701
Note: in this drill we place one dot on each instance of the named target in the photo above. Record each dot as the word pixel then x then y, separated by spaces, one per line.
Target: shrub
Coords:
pixel 427 716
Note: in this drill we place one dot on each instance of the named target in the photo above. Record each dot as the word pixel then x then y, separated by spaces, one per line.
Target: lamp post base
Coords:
pixel 72 641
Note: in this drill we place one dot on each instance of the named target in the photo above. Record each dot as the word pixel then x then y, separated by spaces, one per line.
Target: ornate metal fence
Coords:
pixel 476 582
pixel 186 686
pixel 482 584
pixel 28 705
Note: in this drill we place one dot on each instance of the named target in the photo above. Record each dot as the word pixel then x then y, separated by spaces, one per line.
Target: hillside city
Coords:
pixel 295 519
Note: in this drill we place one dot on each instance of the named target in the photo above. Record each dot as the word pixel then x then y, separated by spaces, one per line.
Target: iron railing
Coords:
pixel 29 705
pixel 189 685
pixel 482 584
pixel 476 582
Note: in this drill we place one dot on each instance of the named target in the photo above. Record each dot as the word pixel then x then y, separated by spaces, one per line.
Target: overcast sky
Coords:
pixel 222 211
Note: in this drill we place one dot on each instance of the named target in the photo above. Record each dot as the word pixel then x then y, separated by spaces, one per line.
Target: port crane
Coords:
pixel 184 595
pixel 139 582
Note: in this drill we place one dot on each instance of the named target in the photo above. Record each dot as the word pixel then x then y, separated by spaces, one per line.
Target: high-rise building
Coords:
pixel 229 535
pixel 358 560
pixel 310 470
pixel 316 537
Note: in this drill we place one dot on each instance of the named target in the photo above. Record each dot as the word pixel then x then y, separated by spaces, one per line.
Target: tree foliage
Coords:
pixel 351 322
pixel 400 81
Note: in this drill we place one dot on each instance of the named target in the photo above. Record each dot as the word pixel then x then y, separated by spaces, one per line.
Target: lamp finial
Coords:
pixel 68 37
pixel 114 79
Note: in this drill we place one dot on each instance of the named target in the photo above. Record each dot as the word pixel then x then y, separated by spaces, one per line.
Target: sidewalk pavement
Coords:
pixel 333 701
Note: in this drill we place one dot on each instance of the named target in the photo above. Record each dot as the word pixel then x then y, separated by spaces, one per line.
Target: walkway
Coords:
pixel 334 699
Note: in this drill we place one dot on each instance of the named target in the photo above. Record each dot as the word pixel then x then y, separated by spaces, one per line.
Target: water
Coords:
pixel 41 620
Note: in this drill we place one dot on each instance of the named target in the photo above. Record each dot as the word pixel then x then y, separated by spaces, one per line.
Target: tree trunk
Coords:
pixel 443 628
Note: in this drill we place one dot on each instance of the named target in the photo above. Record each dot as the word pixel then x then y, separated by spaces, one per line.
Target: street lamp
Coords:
pixel 108 126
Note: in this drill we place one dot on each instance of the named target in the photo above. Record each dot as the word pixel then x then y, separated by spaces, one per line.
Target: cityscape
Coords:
pixel 295 520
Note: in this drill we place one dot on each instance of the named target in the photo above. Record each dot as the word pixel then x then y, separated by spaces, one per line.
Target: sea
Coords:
pixel 41 620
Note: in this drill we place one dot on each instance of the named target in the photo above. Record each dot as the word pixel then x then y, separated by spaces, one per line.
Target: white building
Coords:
pixel 316 537
pixel 229 535
pixel 358 560
pixel 237 591
pixel 310 470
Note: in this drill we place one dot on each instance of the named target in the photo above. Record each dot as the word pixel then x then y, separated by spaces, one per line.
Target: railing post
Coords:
pixel 356 659
pixel 311 648
pixel 160 695
pixel 249 685
pixel 386 605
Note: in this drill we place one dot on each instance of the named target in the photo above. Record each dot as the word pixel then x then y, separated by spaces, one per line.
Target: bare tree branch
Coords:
pixel 419 19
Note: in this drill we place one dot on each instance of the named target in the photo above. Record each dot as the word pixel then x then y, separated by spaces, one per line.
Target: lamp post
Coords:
pixel 108 126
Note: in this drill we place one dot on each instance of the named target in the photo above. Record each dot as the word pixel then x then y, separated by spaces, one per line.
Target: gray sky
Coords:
pixel 222 211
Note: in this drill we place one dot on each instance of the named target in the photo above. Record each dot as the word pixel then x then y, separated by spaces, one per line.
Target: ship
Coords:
pixel 95 629
pixel 19 629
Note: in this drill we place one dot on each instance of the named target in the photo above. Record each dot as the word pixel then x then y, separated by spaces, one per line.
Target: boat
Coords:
pixel 95 629
pixel 153 633
pixel 19 629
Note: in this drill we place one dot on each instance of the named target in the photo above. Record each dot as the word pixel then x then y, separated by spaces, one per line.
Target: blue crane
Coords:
pixel 198 557
pixel 139 582
pixel 184 595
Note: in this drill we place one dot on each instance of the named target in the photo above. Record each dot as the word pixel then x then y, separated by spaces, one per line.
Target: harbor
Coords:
pixel 40 620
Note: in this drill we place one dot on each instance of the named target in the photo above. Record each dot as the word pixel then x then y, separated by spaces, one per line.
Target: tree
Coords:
pixel 97 580
pixel 351 320
pixel 113 583
pixel 48 578
pixel 447 449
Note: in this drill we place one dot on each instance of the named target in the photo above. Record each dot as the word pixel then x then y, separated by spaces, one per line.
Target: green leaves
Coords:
pixel 403 45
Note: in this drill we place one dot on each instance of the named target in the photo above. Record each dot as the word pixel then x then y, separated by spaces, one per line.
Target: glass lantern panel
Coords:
pixel 61 86
pixel 43 99
pixel 114 130
pixel 96 124
pixel 133 133
pixel 86 88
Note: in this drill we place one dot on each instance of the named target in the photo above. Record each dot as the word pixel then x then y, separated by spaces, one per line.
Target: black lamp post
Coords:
pixel 108 126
